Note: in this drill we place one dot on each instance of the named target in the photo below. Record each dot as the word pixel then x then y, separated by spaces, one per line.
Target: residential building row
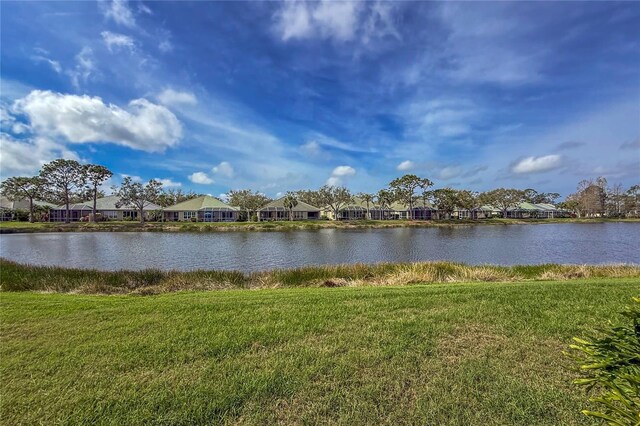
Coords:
pixel 210 209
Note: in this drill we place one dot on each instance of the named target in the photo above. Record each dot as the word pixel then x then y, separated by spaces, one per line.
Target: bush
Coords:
pixel 610 365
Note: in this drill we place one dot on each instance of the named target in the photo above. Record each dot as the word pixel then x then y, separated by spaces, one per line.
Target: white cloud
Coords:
pixel 200 178
pixel 81 119
pixel 405 166
pixel 172 97
pixel 339 173
pixel 343 171
pixel 224 169
pixel 26 156
pixel 117 40
pixel 55 65
pixel 168 183
pixel 311 148
pixel 119 12
pixel 85 67
pixel 326 19
pixel 537 164
pixel 165 44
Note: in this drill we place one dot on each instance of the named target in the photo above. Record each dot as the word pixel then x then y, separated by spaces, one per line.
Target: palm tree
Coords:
pixel 289 203
pixel 368 199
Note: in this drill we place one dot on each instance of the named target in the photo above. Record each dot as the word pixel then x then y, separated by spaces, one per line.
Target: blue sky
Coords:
pixel 279 96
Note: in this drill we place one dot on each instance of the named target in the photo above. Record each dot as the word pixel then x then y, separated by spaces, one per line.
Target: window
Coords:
pixel 188 215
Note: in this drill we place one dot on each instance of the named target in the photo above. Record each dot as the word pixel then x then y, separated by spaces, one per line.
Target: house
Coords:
pixel 275 210
pixel 481 212
pixel 529 210
pixel 202 209
pixel 395 211
pixel 423 211
pixel 105 206
pixel 355 210
pixel 9 209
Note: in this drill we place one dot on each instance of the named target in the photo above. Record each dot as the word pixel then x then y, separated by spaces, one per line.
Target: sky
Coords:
pixel 278 96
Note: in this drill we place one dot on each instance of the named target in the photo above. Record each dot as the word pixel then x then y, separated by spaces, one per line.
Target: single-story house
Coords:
pixel 529 210
pixel 423 211
pixel 10 208
pixel 482 212
pixel 105 206
pixel 395 211
pixel 355 210
pixel 275 210
pixel 202 209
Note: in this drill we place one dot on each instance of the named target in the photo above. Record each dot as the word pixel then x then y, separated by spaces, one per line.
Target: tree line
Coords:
pixel 64 182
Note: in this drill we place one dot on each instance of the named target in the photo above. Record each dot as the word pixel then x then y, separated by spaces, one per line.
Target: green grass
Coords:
pixel 19 277
pixel 129 226
pixel 481 353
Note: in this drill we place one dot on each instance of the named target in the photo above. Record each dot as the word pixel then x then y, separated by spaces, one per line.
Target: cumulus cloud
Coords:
pixel 173 97
pixel 26 156
pixel 200 178
pixel 115 40
pixel 537 164
pixel 224 169
pixel 81 119
pixel 119 12
pixel 405 166
pixel 168 183
pixel 339 173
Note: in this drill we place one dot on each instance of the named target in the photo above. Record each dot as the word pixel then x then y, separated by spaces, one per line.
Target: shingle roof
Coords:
pixel 6 203
pixel 300 207
pixel 199 203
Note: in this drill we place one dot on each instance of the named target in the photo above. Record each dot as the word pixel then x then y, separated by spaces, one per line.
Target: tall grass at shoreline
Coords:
pixel 19 277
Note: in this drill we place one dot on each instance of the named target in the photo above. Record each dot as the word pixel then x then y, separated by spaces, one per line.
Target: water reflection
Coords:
pixel 251 251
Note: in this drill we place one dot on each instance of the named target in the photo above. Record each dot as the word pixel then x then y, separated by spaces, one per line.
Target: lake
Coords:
pixel 254 251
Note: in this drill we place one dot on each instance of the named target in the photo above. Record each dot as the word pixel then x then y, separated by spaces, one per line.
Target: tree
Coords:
pixel 247 200
pixel 20 188
pixel 289 202
pixel 368 200
pixel 446 200
pixel 173 196
pixel 504 199
pixel 62 181
pixel 405 188
pixel 616 200
pixel 634 194
pixel 137 195
pixel 384 199
pixel 592 196
pixel 334 197
pixel 96 175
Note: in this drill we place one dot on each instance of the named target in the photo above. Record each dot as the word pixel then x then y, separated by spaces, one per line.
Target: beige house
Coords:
pixel 10 208
pixel 276 210
pixel 202 209
pixel 106 207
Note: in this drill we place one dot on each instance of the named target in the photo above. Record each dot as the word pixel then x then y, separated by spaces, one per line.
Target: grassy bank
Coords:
pixel 18 277
pixel 128 226
pixel 482 353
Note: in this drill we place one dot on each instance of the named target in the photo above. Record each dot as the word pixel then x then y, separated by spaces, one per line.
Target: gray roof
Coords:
pixel 205 202
pixel 279 205
pixel 6 203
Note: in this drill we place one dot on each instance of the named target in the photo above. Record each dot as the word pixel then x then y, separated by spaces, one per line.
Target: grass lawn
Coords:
pixel 131 226
pixel 470 354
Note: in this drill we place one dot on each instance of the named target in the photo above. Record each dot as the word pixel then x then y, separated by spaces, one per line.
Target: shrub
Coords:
pixel 610 365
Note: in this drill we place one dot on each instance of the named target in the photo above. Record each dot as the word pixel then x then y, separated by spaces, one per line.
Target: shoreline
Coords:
pixel 18 277
pixel 122 226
